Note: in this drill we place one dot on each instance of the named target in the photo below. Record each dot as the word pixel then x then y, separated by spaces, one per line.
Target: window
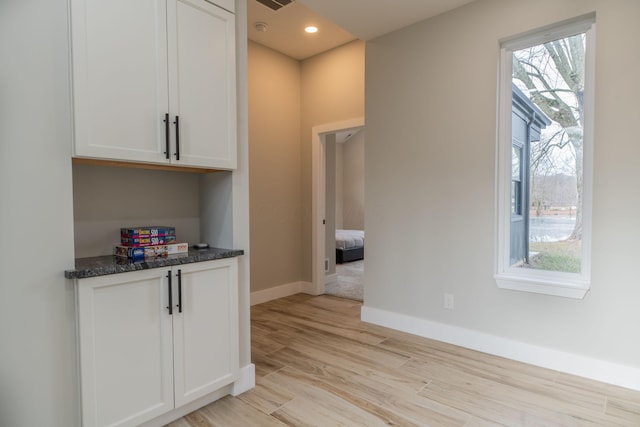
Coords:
pixel 545 146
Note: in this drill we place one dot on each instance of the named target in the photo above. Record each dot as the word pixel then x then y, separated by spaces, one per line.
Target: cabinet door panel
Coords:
pixel 125 341
pixel 202 83
pixel 120 78
pixel 206 332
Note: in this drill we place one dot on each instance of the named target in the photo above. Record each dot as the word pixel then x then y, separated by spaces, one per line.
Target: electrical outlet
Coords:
pixel 448 301
pixel 326 265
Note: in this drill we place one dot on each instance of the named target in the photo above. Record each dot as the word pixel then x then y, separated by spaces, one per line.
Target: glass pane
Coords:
pixel 516 197
pixel 551 76
pixel 516 155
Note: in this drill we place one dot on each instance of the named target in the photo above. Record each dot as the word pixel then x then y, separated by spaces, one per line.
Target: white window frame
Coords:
pixel 571 285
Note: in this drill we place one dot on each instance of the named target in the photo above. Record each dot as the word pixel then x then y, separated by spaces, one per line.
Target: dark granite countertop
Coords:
pixel 110 264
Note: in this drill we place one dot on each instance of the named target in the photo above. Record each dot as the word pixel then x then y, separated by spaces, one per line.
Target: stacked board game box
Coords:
pixel 153 251
pixel 139 243
pixel 147 236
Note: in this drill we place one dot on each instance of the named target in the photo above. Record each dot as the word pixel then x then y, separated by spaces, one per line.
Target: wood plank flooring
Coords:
pixel 317 364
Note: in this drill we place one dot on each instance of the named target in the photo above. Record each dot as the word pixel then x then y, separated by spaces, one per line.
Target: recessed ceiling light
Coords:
pixel 311 29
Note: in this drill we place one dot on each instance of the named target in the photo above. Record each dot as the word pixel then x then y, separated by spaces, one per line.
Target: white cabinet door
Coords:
pixel 125 342
pixel 140 65
pixel 137 361
pixel 202 83
pixel 206 330
pixel 120 79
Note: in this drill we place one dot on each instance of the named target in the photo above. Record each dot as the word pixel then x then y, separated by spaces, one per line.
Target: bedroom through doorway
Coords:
pixel 344 213
pixel 322 217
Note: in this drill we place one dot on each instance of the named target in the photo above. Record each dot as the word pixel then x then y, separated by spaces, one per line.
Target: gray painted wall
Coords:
pixel 353 182
pixel 275 169
pixel 339 189
pixel 332 91
pixel 431 90
pixel 108 198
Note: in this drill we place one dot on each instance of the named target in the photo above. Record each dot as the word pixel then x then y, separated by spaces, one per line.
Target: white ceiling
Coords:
pixel 339 21
pixel 285 32
pixel 367 19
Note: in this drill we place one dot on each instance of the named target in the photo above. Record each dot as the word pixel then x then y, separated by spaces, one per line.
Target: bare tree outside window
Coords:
pixel 552 76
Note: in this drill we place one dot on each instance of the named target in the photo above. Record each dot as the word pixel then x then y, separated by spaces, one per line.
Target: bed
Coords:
pixel 349 245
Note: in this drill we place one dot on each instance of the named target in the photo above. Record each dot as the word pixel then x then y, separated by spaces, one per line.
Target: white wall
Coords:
pixel 430 174
pixel 37 334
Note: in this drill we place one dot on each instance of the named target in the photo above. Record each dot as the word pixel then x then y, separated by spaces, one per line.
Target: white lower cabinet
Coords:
pixel 154 340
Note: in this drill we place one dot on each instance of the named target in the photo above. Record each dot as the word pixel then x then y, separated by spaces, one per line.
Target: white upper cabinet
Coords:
pixel 202 89
pixel 120 78
pixel 137 64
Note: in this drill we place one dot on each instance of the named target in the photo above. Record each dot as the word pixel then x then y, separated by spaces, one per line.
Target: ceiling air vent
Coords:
pixel 275 4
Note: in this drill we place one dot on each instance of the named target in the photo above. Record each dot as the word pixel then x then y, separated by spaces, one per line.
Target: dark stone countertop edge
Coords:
pixel 110 264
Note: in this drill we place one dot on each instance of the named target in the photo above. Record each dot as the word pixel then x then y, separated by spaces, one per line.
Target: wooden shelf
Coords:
pixel 134 165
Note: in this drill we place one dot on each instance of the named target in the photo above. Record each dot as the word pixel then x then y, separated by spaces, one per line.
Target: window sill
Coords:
pixel 556 286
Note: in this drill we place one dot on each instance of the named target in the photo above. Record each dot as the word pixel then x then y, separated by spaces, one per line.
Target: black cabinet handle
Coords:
pixel 179 291
pixel 177 123
pixel 166 136
pixel 170 306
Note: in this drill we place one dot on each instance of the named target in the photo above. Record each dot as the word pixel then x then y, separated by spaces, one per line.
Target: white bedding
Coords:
pixel 349 239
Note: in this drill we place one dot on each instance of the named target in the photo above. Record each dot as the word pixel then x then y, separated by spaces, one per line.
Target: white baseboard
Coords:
pixel 599 370
pixel 307 288
pixel 246 381
pixel 330 278
pixel 258 297
pixel 180 412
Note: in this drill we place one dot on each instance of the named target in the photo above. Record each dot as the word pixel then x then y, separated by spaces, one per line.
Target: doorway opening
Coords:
pixel 325 216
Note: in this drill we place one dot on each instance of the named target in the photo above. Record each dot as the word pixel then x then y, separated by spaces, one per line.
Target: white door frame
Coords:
pixel 318 192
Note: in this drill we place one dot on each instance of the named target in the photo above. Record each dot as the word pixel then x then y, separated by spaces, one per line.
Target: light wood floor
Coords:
pixel 317 364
